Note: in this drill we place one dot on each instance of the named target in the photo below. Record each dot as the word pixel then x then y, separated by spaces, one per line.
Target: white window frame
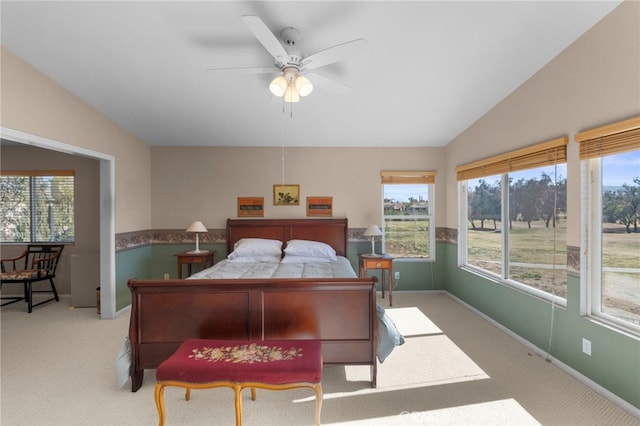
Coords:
pixel 591 236
pixel 430 217
pixel 463 260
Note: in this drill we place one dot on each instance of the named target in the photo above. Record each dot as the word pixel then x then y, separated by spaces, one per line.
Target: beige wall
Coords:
pixel 595 81
pixel 204 183
pixel 34 104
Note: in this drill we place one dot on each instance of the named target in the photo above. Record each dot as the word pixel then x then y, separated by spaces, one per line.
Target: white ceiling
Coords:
pixel 431 69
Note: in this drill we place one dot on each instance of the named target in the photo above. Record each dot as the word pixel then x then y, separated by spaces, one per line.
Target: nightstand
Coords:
pixel 382 262
pixel 204 259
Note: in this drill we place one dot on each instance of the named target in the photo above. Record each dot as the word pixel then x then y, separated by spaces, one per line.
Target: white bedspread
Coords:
pixel 225 269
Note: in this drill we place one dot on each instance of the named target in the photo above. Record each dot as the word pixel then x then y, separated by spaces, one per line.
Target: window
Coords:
pixel 36 206
pixel 611 169
pixel 513 218
pixel 408 228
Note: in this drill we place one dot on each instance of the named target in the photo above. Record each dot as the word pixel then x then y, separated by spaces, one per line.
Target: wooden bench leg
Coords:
pixel 318 390
pixel 237 392
pixel 158 395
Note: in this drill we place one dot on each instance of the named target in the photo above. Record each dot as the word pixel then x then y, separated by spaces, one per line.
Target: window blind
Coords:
pixel 540 155
pixel 37 206
pixel 614 138
pixel 389 177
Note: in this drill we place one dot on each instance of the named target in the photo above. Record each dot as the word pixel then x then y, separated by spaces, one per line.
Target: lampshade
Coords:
pixel 372 231
pixel 291 85
pixel 303 85
pixel 291 95
pixel 278 86
pixel 196 226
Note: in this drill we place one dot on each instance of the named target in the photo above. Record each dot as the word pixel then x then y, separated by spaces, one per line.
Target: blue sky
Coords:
pixel 621 168
pixel 403 192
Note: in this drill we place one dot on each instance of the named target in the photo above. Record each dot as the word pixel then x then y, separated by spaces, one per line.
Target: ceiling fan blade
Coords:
pixel 335 54
pixel 328 83
pixel 267 38
pixel 244 70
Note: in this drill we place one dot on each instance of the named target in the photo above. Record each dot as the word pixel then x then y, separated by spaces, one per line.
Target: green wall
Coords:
pixel 132 263
pixel 164 258
pixel 615 357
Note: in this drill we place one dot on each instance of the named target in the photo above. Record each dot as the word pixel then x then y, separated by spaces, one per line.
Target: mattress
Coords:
pixel 341 268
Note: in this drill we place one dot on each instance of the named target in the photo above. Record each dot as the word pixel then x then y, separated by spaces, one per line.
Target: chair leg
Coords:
pixel 29 295
pixel 55 291
pixel 31 291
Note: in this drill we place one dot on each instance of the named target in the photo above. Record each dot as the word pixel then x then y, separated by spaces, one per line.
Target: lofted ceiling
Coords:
pixel 431 68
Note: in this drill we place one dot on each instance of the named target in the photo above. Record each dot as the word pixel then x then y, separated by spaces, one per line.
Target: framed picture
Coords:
pixel 250 206
pixel 320 206
pixel 286 195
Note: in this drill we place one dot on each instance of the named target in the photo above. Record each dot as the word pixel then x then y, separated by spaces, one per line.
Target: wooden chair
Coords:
pixel 37 263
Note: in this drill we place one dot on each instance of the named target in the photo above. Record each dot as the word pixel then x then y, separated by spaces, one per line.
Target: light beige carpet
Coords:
pixel 412 322
pixel 58 368
pixel 421 361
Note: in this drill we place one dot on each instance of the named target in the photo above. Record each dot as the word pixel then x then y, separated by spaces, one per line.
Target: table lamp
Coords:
pixel 373 231
pixel 197 227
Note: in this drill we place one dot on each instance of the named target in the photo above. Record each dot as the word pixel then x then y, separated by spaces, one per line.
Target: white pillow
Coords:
pixel 310 249
pixel 254 259
pixel 256 247
pixel 288 258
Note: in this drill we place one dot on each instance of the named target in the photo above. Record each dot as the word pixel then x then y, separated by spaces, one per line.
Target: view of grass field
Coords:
pixel 621 273
pixel 405 237
pixel 537 255
pixel 538 258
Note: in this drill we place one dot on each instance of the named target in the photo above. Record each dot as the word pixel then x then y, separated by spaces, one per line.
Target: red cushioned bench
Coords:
pixel 240 364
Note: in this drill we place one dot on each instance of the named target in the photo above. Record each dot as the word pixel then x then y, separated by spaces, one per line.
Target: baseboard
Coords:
pixel 631 409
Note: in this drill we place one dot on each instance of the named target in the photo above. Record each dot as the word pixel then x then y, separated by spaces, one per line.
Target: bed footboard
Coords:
pixel 339 312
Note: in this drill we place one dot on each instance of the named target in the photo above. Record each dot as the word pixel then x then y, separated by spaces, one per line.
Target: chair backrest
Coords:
pixel 43 257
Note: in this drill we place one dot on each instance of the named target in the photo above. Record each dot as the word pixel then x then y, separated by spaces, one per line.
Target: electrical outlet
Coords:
pixel 397 275
pixel 586 346
pixel 166 276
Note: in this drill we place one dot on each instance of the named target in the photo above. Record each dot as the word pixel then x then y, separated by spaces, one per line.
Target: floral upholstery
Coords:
pixel 27 274
pixel 247 353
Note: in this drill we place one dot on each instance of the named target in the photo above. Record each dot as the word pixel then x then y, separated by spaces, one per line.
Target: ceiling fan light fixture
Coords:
pixel 304 85
pixel 278 86
pixel 291 94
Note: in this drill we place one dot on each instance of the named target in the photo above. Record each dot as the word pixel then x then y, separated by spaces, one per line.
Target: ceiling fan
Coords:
pixel 293 67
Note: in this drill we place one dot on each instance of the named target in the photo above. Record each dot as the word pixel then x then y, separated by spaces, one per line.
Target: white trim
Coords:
pixel 462 223
pixel 585 289
pixel 634 411
pixel 107 209
pixel 430 217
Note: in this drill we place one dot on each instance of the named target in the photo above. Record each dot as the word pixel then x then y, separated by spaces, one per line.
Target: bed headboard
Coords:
pixel 330 231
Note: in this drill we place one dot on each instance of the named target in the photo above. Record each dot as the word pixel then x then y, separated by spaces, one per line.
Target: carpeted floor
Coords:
pixel 58 368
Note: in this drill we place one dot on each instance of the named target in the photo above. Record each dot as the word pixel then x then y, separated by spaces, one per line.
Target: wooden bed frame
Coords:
pixel 341 312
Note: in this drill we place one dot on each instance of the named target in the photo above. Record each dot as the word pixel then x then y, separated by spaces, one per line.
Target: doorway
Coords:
pixel 107 209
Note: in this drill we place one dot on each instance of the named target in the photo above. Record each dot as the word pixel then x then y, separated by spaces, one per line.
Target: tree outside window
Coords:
pixel 37 207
